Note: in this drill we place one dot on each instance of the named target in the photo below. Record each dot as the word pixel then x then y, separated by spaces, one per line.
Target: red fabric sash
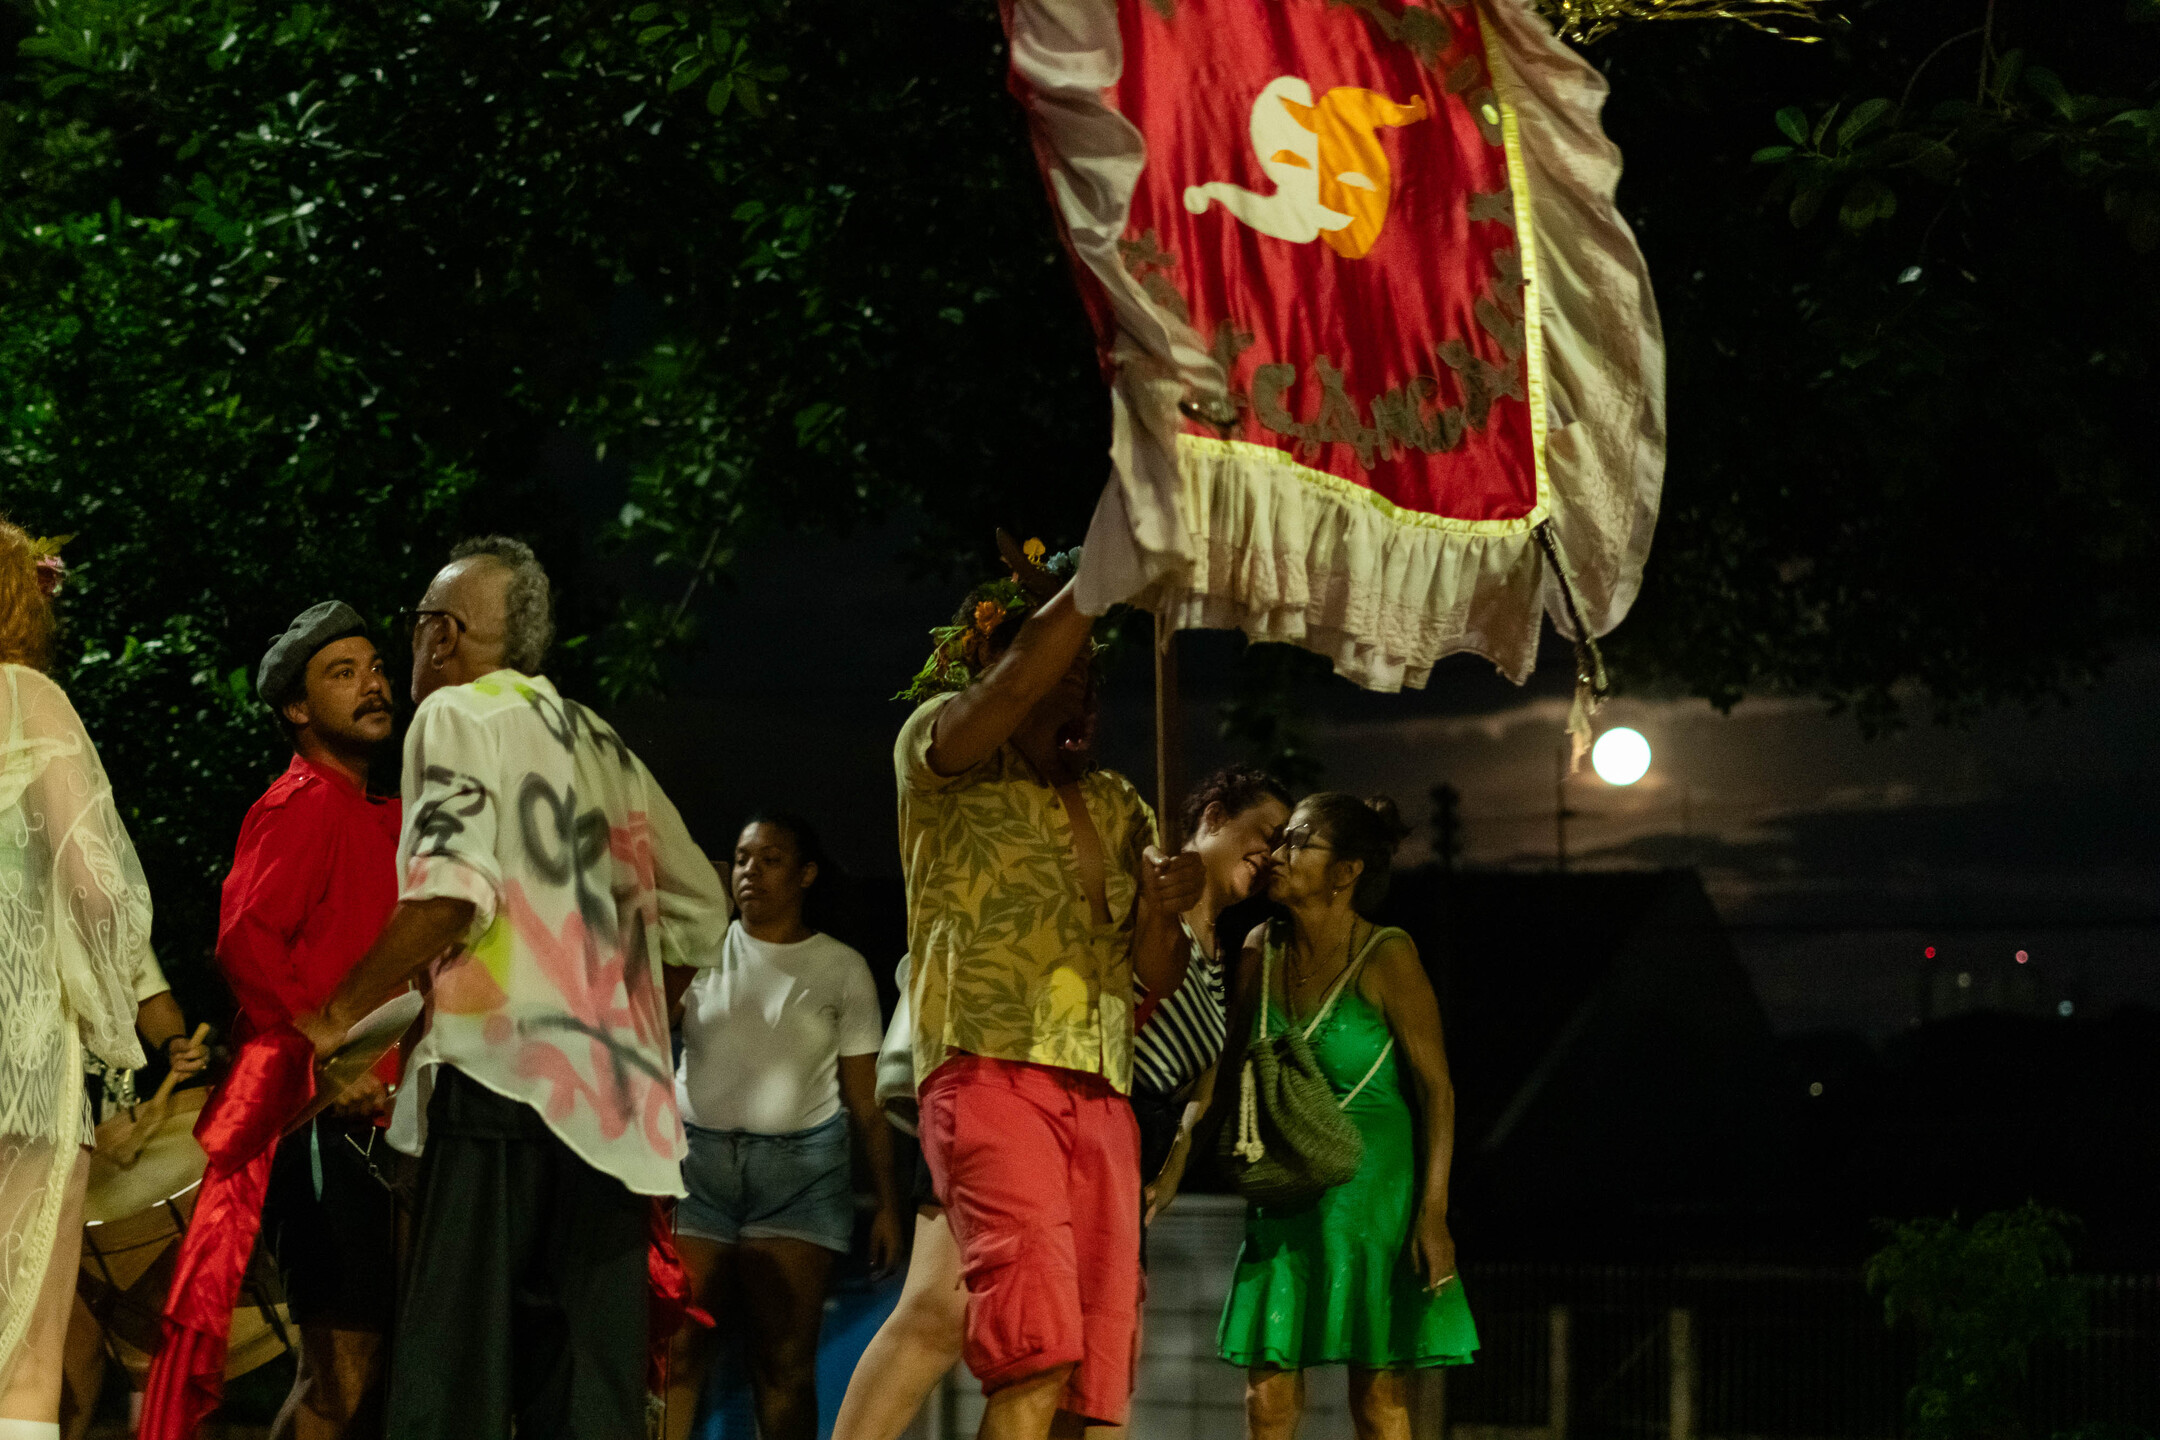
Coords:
pixel 272 1080
pixel 671 1305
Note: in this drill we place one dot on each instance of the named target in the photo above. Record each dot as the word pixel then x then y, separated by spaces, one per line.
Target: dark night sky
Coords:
pixel 1836 859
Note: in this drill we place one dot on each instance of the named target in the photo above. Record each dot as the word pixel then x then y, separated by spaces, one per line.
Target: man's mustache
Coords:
pixel 371 707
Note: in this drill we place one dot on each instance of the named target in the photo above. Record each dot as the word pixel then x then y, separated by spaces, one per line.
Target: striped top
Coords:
pixel 1185 1033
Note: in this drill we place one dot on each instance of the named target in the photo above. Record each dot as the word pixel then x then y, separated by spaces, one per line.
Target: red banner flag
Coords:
pixel 1382 349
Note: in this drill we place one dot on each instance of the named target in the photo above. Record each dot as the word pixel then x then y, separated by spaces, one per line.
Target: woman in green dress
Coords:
pixel 1364 1276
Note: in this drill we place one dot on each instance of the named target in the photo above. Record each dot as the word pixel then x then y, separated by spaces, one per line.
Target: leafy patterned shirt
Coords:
pixel 1008 960
pixel 583 883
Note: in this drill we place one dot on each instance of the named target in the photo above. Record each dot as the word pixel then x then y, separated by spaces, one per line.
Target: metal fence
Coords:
pixel 1618 1353
pixel 1576 1352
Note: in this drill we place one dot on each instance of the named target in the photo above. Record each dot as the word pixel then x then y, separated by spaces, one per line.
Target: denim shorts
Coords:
pixel 745 1186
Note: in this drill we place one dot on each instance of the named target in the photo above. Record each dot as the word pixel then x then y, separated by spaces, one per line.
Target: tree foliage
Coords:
pixel 1910 376
pixel 1983 1297
pixel 290 295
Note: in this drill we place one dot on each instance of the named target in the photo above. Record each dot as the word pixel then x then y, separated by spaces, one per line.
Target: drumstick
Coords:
pixel 164 1091
pixel 127 1146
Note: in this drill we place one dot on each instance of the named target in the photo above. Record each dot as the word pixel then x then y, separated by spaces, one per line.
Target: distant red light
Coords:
pixel 1930 952
pixel 2023 957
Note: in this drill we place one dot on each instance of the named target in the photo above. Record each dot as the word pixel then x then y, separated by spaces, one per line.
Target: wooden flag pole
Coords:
pixel 1169 739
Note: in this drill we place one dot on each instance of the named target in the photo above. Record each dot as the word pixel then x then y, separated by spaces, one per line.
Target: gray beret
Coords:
pixel 287 659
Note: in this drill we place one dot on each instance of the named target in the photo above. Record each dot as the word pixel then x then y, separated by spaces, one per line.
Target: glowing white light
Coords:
pixel 1815 1088
pixel 2064 1009
pixel 1621 756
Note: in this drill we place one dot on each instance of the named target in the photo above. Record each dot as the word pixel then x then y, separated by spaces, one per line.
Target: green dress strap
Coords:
pixel 1357 963
pixel 1342 982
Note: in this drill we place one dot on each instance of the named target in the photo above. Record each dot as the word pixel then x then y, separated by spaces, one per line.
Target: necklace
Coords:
pixel 1299 975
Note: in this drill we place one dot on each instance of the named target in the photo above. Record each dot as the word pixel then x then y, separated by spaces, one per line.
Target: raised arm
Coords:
pixel 1395 981
pixel 984 716
pixel 1169 886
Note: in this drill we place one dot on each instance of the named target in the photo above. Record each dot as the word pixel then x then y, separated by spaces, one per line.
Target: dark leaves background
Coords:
pixel 291 296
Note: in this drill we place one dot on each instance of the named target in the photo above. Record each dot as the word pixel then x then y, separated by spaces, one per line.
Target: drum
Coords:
pixel 138 1205
pixel 366 1043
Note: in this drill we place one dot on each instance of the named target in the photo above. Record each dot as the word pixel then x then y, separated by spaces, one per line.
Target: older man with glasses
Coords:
pixel 544 881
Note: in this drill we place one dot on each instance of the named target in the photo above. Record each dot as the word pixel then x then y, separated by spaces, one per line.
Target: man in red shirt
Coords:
pixel 313 879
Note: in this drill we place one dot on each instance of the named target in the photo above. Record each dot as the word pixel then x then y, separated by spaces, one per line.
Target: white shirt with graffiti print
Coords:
pixel 583 882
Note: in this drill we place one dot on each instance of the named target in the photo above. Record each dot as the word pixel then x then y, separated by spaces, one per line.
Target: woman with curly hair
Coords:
pixel 1230 820
pixel 74 949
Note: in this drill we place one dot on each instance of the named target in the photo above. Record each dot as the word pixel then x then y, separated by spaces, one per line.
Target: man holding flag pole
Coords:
pixel 1037 905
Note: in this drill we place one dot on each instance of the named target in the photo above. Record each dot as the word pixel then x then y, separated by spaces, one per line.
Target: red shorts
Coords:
pixel 1039 1172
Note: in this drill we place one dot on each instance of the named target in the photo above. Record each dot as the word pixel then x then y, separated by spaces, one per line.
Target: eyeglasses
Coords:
pixel 410 621
pixel 1296 839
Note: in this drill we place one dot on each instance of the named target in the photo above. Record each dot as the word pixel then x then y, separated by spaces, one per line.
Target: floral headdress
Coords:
pixel 962 651
pixel 51 569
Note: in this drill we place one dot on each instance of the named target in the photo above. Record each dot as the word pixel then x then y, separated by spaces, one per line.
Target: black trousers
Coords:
pixel 337 1251
pixel 527 1297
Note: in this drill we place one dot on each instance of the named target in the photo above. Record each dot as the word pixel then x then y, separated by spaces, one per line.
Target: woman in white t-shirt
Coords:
pixel 780 1044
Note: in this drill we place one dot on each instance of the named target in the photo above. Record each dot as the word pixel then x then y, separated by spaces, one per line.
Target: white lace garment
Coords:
pixel 74 936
